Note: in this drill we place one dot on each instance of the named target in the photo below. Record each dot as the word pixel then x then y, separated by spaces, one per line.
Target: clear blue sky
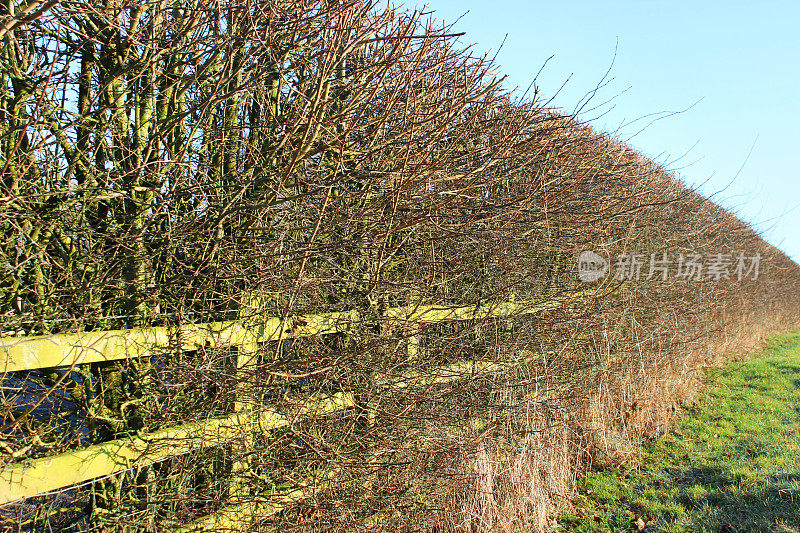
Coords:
pixel 735 64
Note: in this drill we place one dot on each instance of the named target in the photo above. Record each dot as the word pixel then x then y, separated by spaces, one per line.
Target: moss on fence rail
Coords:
pixel 71 468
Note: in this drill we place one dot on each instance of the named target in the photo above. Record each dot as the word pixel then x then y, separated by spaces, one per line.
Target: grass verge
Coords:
pixel 731 464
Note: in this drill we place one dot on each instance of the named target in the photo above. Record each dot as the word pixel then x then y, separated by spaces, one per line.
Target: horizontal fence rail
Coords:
pixel 71 468
pixel 48 474
pixel 64 350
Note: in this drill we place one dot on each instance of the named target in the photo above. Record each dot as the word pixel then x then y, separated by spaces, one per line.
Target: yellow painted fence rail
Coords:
pixel 40 476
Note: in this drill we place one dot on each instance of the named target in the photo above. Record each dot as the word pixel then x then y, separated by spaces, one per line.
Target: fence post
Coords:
pixel 246 361
pixel 414 340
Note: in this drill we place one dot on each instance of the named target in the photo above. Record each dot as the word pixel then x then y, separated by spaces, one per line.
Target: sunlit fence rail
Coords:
pixel 52 473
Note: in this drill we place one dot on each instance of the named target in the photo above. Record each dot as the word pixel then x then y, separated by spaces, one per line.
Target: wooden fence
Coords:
pixel 54 473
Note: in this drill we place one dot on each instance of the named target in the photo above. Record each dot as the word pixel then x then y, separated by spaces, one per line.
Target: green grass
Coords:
pixel 731 464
